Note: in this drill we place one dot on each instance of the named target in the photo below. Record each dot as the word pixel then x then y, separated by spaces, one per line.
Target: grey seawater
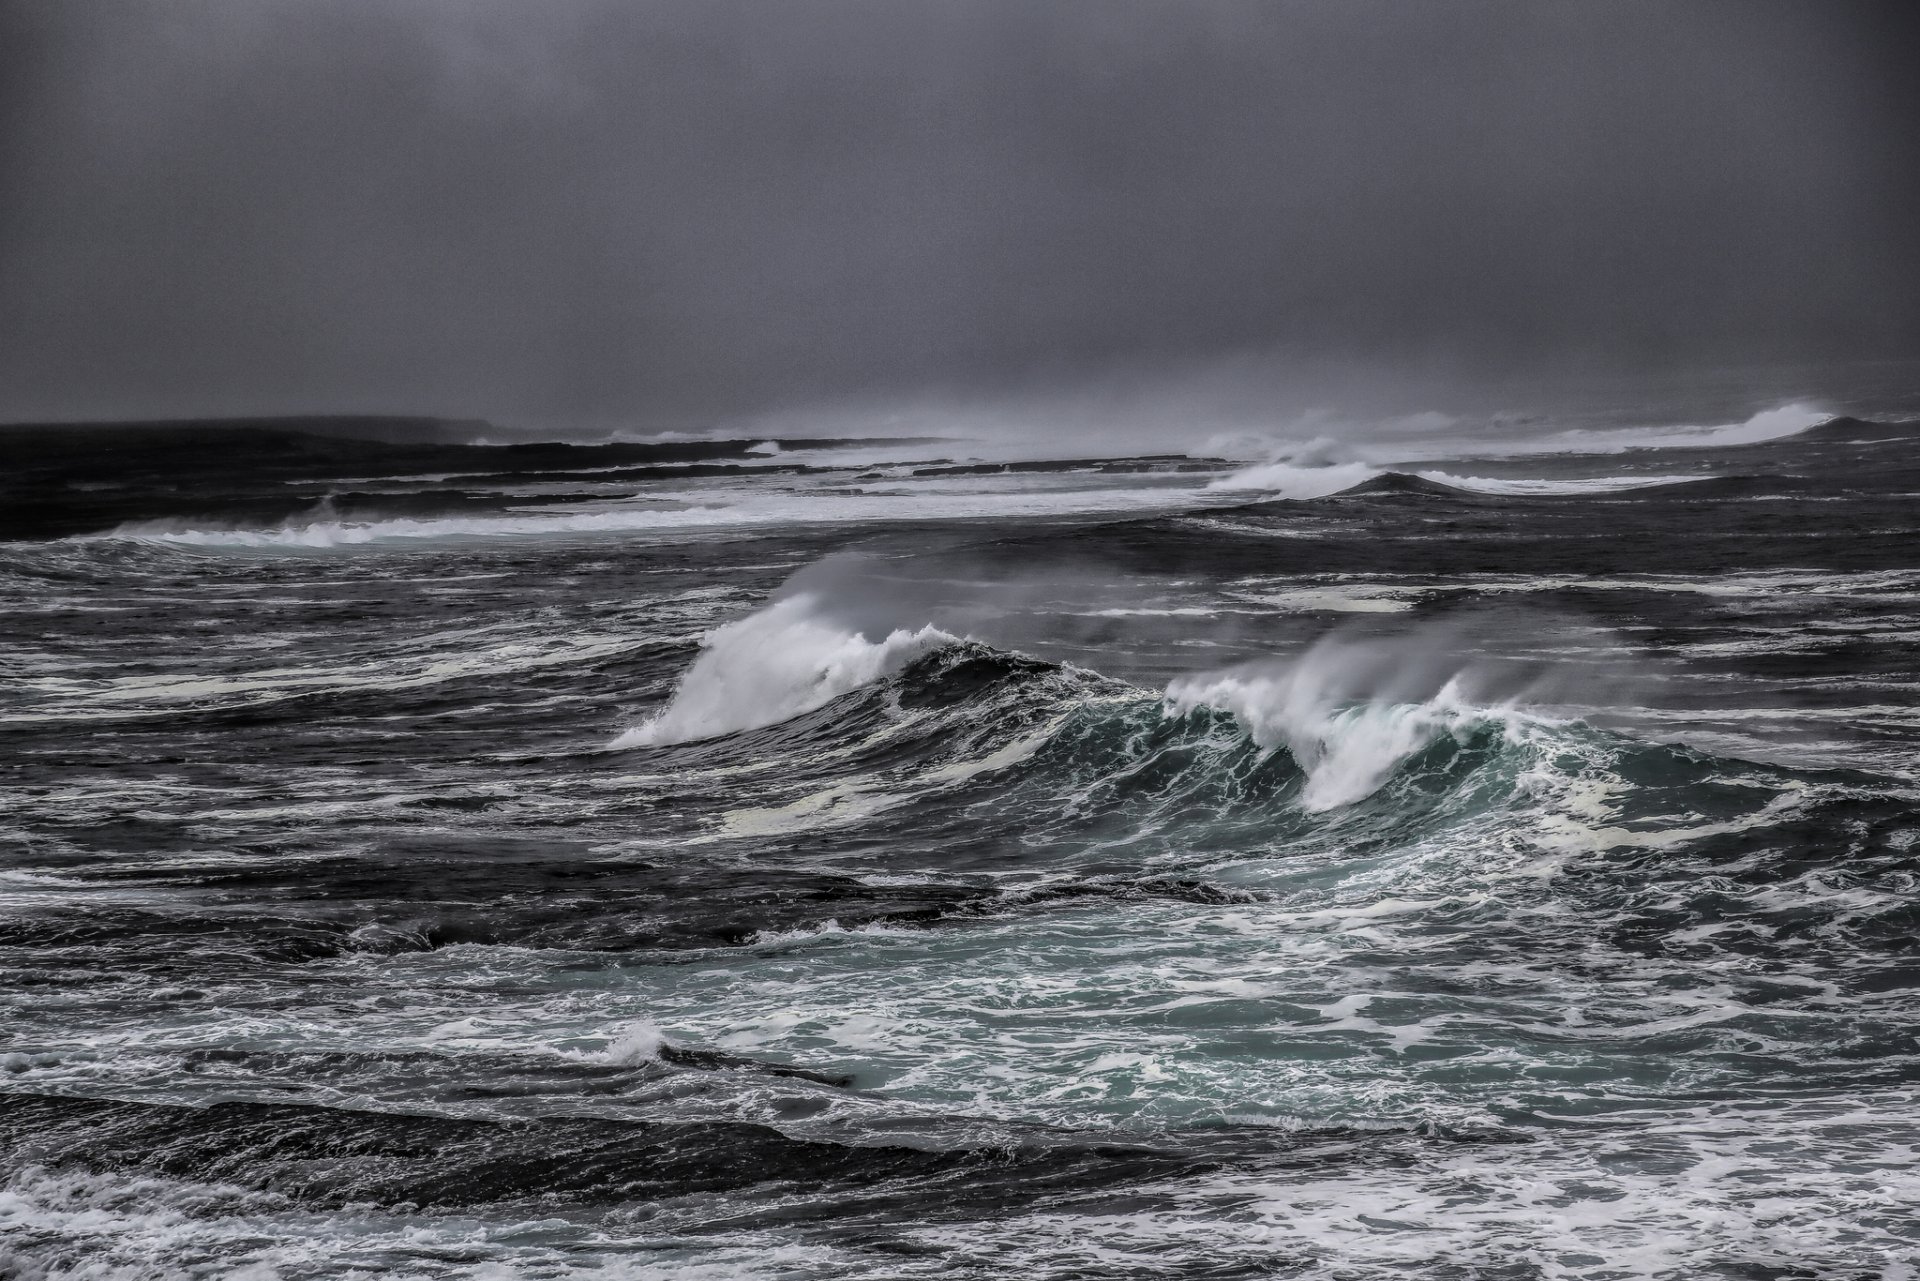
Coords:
pixel 1412 882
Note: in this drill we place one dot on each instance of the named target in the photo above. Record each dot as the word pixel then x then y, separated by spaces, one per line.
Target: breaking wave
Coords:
pixel 1317 468
pixel 1286 479
pixel 772 666
pixel 1346 751
pixel 1777 423
pixel 1305 736
pixel 1312 474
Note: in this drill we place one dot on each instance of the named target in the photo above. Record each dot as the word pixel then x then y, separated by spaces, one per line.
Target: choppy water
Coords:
pixel 869 862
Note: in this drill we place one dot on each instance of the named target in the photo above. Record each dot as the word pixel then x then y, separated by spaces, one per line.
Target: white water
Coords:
pixel 1346 752
pixel 773 665
pixel 1348 712
pixel 1289 480
pixel 1520 486
pixel 1292 470
pixel 1316 468
pixel 691 510
pixel 1284 479
pixel 1769 424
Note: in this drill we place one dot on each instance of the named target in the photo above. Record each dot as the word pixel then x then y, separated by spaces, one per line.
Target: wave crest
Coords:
pixel 1350 713
pixel 1345 752
pixel 773 665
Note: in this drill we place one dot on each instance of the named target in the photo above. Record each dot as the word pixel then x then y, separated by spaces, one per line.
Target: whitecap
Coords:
pixel 1285 479
pixel 773 665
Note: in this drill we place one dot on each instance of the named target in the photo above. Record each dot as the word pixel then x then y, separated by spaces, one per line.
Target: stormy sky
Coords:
pixel 664 212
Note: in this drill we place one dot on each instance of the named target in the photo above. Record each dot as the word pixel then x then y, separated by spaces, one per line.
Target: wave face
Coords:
pixel 1510 877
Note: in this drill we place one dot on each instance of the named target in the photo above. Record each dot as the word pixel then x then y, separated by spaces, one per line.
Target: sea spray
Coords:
pixel 773 665
pixel 1309 469
pixel 1346 752
pixel 1350 710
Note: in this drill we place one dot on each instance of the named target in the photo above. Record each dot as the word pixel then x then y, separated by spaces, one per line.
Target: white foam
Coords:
pixel 639 1042
pixel 1338 597
pixel 1286 479
pixel 1350 711
pixel 1346 752
pixel 446 657
pixel 1769 424
pixel 849 801
pixel 694 510
pixel 773 665
pixel 1523 487
pixel 71 1225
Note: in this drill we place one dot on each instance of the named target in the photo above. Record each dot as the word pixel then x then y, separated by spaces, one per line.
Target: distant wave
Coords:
pixel 1522 486
pixel 685 512
pixel 1287 480
pixel 1769 424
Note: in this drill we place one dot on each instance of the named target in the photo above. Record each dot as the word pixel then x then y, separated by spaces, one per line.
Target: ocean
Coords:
pixel 433 854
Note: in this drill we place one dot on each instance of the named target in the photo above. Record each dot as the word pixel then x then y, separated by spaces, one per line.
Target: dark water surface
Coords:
pixel 824 859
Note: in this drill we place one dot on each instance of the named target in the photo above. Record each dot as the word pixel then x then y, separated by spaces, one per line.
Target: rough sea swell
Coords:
pixel 1415 881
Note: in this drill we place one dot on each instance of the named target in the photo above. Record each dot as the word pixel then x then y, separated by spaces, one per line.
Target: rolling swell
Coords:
pixel 965 734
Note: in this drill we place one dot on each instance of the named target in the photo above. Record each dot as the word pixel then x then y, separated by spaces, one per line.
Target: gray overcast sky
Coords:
pixel 659 211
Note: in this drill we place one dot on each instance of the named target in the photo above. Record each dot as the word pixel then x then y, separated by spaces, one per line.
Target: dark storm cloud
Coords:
pixel 580 208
